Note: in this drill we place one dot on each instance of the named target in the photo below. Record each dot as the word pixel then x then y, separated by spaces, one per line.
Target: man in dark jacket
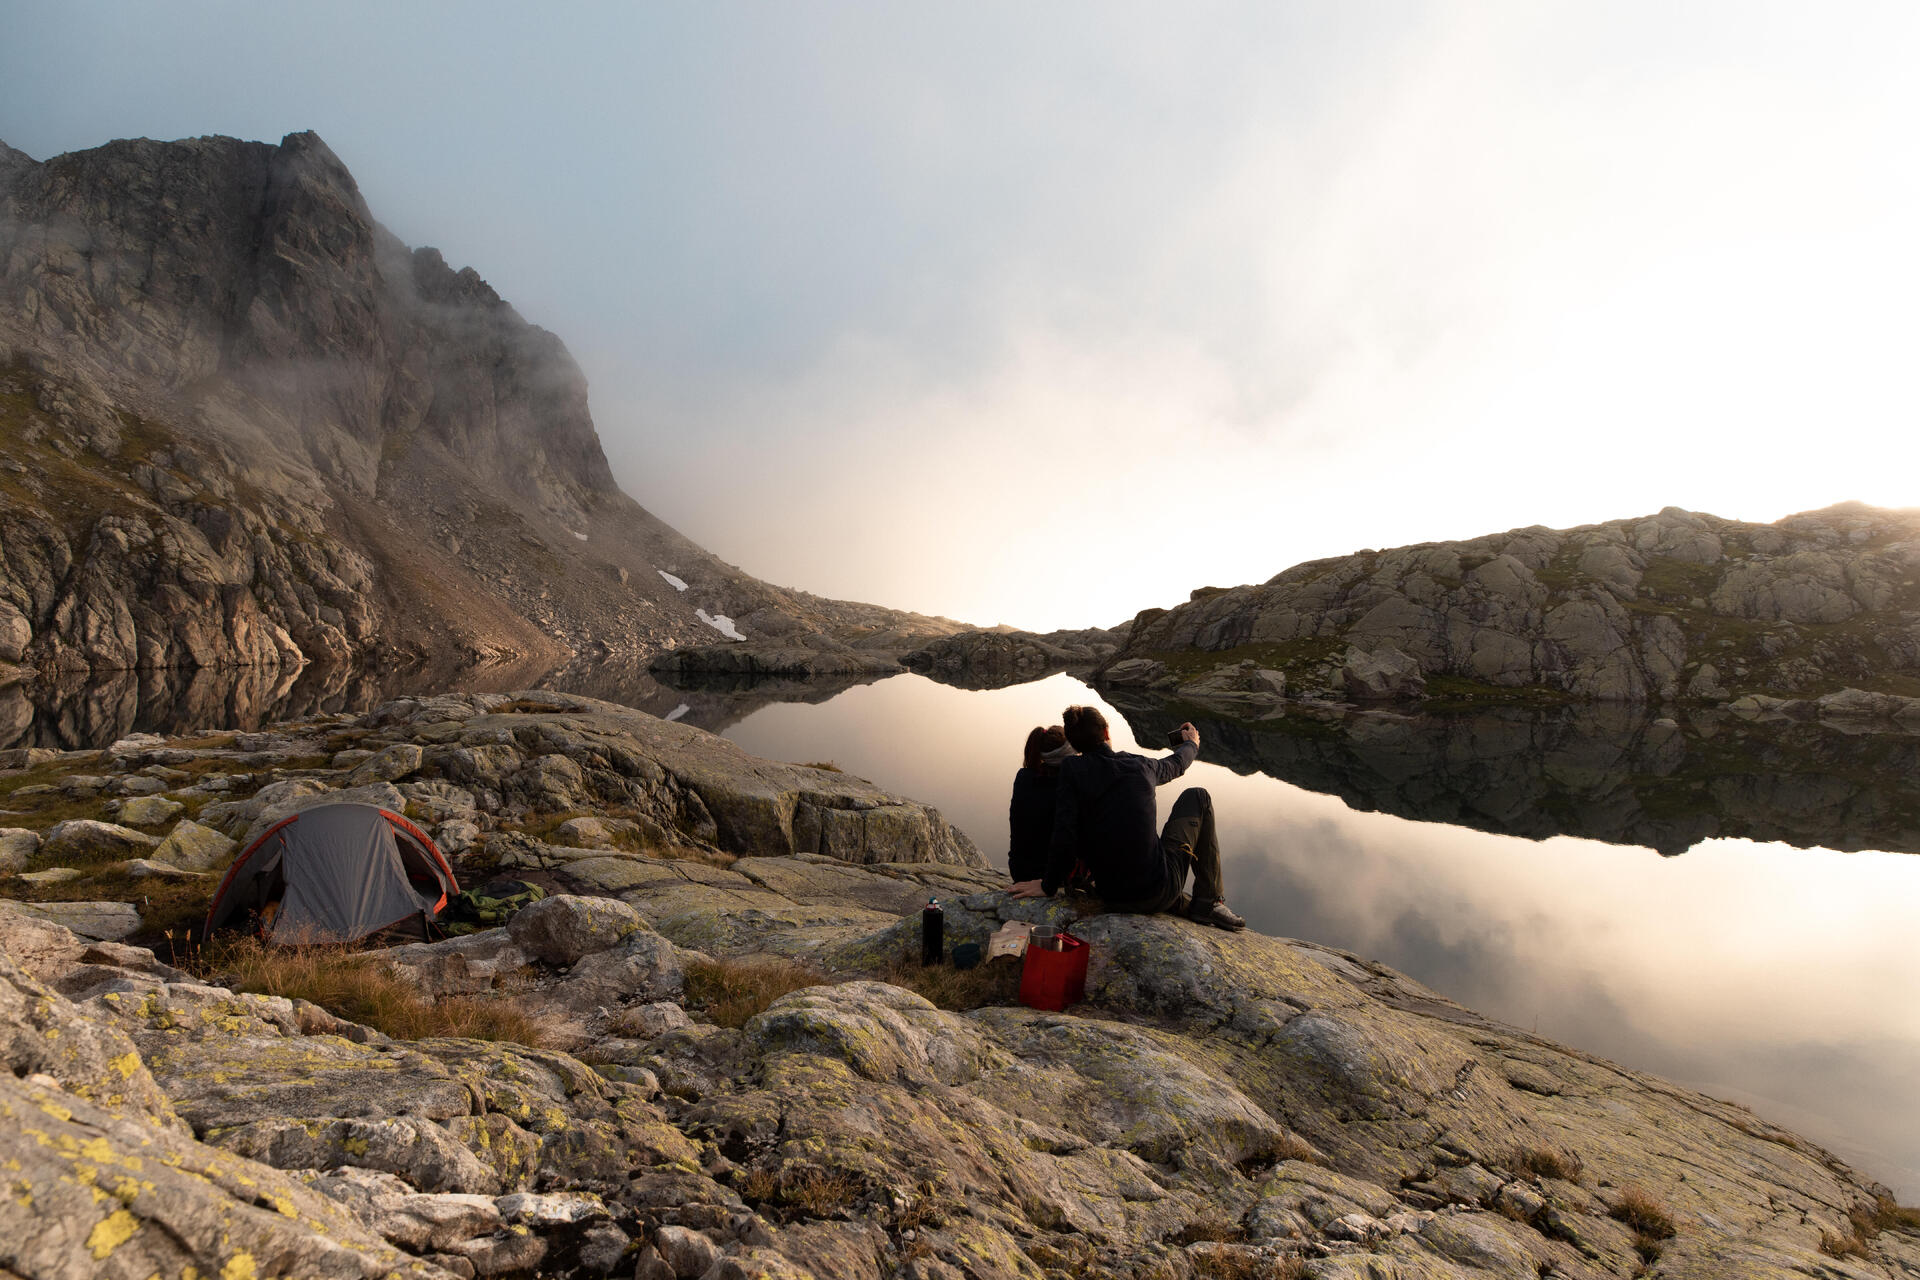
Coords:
pixel 1106 815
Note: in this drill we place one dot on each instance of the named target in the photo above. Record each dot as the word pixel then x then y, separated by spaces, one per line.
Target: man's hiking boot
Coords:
pixel 1218 914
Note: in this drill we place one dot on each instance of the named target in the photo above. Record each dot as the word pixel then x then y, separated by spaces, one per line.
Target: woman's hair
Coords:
pixel 1086 728
pixel 1041 740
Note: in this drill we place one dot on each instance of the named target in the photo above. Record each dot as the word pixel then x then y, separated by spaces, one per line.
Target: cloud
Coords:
pixel 898 304
pixel 1511 266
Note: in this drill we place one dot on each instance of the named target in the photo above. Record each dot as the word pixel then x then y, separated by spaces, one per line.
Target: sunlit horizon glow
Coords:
pixel 907 305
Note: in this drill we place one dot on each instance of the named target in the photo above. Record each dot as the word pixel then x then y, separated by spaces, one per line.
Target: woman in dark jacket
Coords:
pixel 1030 816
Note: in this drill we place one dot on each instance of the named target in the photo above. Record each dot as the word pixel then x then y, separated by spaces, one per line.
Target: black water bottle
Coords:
pixel 933 932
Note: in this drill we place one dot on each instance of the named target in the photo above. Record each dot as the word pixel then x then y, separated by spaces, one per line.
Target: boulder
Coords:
pixel 90 840
pixel 192 847
pixel 388 765
pixel 1244 689
pixel 562 929
pixel 1384 674
pixel 456 835
pixel 1859 704
pixel 688 1253
pixel 108 921
pixel 649 1020
pixel 53 875
pixel 644 967
pixel 457 966
pixel 176 1208
pixel 1135 673
pixel 27 757
pixel 602 833
pixel 149 811
pixel 41 1033
pixel 150 869
pixel 17 845
pixel 406 1217
pixel 16 633
pixel 411 1147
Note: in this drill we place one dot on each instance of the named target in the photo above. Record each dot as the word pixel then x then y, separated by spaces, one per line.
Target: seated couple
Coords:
pixel 1078 801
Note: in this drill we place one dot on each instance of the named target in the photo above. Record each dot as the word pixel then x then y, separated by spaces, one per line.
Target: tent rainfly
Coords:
pixel 335 873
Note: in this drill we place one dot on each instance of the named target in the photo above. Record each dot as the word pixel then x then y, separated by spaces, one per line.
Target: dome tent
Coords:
pixel 335 873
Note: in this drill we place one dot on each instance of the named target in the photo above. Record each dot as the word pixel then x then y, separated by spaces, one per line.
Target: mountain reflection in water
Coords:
pixel 89 712
pixel 1614 773
pixel 1778 976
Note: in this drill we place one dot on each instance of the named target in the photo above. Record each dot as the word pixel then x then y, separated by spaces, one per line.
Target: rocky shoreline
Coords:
pixel 1222 1105
pixel 1677 608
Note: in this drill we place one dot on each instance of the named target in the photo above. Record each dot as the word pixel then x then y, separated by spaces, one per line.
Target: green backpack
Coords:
pixel 489 906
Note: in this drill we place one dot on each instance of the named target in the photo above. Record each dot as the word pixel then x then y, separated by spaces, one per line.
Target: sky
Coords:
pixel 1045 314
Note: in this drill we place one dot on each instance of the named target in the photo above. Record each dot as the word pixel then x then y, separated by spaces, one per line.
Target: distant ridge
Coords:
pixel 1677 606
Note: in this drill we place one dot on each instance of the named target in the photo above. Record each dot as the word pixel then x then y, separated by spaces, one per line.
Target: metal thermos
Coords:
pixel 933 932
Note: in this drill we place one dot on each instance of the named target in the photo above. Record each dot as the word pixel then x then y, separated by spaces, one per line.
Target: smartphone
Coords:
pixel 1177 737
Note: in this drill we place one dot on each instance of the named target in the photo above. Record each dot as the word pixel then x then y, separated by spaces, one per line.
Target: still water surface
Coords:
pixel 1784 978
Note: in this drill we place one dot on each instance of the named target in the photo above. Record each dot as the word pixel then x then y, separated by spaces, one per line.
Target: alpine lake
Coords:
pixel 1724 903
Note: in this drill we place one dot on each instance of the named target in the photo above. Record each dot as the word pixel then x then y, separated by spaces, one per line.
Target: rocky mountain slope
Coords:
pixel 242 424
pixel 1221 1106
pixel 1673 607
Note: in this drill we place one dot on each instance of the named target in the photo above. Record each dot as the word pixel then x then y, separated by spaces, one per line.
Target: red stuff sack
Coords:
pixel 1052 980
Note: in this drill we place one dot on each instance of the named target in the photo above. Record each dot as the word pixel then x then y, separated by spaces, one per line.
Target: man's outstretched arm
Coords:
pixel 1167 768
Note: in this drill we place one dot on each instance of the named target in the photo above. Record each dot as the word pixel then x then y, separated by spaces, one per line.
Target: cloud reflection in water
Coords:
pixel 1777 976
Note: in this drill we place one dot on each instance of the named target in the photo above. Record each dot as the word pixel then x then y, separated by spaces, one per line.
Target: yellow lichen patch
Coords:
pixel 283 1206
pixel 110 1233
pixel 126 1064
pixel 239 1267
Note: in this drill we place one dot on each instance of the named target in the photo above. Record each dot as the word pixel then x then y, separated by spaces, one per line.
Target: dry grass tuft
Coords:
pixel 1850 1245
pixel 732 991
pixel 805 1192
pixel 1546 1162
pixel 924 1210
pixel 1885 1215
pixel 1867 1221
pixel 1217 1230
pixel 990 983
pixel 362 989
pixel 1646 1216
pixel 1294 1147
pixel 1232 1264
pixel 695 853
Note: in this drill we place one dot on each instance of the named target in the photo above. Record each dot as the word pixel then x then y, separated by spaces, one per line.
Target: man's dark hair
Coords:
pixel 1041 740
pixel 1086 727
